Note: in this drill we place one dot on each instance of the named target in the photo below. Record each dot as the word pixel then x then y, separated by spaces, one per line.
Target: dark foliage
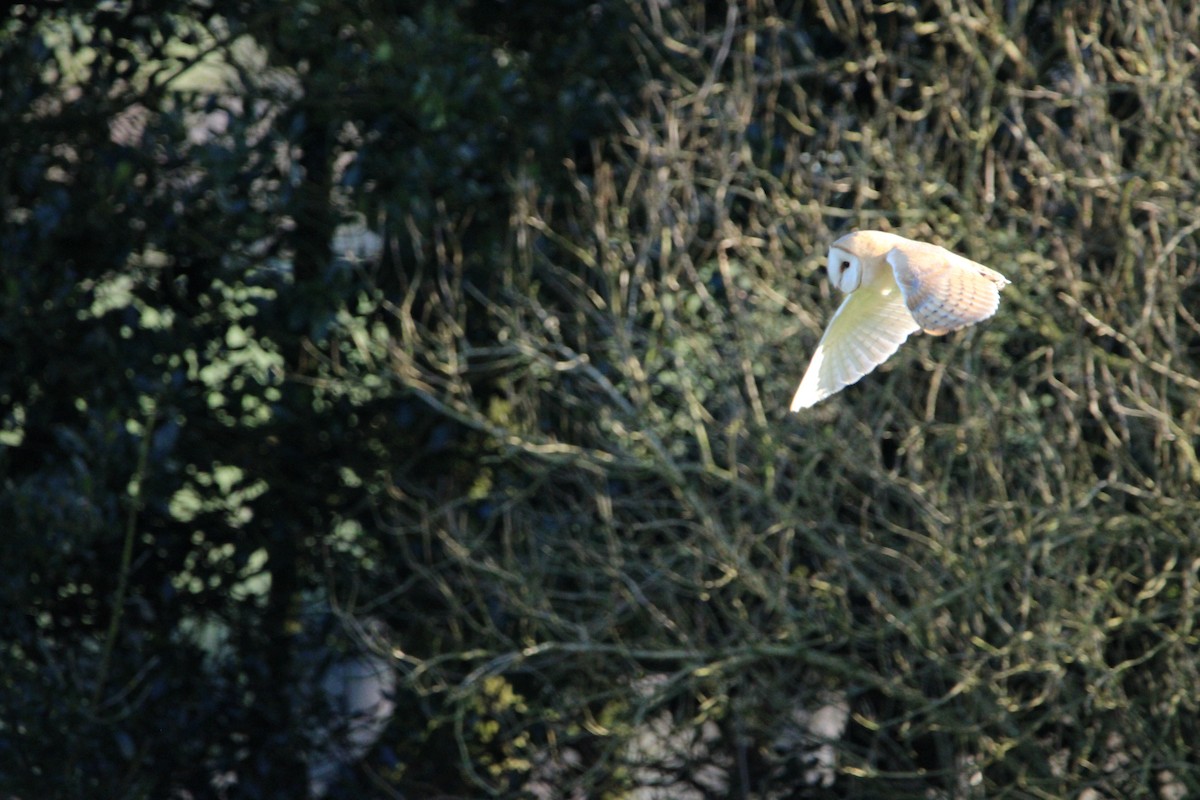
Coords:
pixel 460 334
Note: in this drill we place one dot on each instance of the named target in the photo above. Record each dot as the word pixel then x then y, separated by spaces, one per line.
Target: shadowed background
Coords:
pixel 451 344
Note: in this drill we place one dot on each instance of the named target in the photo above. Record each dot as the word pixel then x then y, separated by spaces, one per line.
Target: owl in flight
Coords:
pixel 894 287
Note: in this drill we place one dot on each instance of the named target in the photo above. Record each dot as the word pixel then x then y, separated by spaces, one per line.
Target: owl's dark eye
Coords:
pixel 845 266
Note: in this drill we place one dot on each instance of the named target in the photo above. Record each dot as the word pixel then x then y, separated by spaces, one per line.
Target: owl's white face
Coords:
pixel 894 287
pixel 845 270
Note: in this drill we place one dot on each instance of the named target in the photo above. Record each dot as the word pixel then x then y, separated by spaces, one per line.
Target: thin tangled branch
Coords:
pixel 984 546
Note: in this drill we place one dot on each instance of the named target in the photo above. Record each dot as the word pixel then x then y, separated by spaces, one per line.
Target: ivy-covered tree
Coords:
pixel 443 350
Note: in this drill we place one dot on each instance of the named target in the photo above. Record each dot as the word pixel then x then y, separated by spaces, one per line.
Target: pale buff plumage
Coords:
pixel 895 287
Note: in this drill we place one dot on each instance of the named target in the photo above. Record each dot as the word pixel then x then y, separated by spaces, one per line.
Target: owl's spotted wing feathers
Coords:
pixel 869 326
pixel 896 287
pixel 943 290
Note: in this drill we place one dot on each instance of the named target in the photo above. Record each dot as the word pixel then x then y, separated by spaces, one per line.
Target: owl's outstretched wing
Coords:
pixel 869 326
pixel 943 290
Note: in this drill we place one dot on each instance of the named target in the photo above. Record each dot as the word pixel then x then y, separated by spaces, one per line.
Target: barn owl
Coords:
pixel 894 287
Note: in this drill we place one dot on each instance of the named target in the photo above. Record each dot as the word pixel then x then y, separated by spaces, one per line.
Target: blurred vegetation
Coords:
pixel 476 322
